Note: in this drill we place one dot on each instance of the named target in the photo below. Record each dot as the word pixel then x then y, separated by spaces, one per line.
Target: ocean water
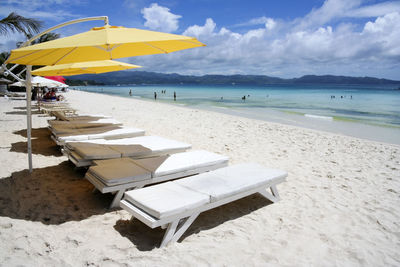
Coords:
pixel 377 105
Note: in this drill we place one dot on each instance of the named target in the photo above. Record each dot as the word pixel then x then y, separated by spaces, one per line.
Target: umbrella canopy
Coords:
pixel 100 43
pixel 89 67
pixel 41 82
pixel 60 79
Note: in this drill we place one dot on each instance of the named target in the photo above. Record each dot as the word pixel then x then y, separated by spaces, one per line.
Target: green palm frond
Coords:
pixel 16 23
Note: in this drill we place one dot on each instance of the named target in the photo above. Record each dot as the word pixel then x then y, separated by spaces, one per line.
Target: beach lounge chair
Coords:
pixel 107 132
pixel 79 118
pixel 61 127
pixel 176 204
pixel 119 175
pixel 83 154
pixel 62 116
pixel 50 108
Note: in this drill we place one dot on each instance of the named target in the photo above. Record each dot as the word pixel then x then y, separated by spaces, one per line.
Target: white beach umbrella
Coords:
pixel 41 82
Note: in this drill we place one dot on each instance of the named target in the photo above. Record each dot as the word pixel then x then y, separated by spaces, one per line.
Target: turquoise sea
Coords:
pixel 367 105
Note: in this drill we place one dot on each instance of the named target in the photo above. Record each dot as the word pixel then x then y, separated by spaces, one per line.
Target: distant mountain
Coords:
pixel 331 79
pixel 144 77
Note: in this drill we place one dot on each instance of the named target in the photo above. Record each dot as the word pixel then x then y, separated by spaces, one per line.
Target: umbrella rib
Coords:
pixel 45 55
pixel 22 56
pixel 104 49
pixel 65 55
pixel 155 47
pixel 101 48
pixel 108 49
pixel 115 46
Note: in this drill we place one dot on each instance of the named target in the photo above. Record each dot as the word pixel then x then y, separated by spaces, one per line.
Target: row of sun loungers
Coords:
pixel 187 182
pixel 69 127
pixel 80 128
pixel 110 132
pixel 62 116
pixel 56 106
pixel 83 154
pixel 118 175
pixel 81 123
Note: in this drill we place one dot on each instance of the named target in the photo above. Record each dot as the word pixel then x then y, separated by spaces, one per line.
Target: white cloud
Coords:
pixel 343 49
pixel 39 9
pixel 376 10
pixel 335 9
pixel 384 34
pixel 160 18
pixel 206 30
pixel 269 23
pixel 318 43
pixel 331 9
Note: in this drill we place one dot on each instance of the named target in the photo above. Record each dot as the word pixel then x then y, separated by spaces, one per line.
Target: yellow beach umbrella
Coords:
pixel 101 43
pixel 89 67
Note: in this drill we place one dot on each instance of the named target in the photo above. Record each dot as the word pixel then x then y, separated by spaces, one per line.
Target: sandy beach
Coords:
pixel 339 206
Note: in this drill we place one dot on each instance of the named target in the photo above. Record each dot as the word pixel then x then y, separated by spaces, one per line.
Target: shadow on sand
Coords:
pixel 146 239
pixel 34 112
pixel 33 106
pixel 22 110
pixel 51 195
pixel 41 143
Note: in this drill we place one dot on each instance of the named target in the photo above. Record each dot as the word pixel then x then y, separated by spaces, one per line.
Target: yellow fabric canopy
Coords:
pixel 101 43
pixel 89 67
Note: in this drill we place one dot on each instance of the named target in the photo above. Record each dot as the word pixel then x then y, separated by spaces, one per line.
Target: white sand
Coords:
pixel 340 205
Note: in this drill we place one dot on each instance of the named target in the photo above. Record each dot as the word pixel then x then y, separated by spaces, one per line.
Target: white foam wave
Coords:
pixel 318 117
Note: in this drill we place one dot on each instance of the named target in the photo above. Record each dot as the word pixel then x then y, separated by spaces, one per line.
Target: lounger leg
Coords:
pixel 117 198
pixel 184 227
pixel 274 191
pixel 169 233
pixel 173 234
pixel 274 197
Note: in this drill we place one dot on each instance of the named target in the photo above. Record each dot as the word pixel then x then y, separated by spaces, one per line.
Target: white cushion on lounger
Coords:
pixel 166 199
pixel 131 150
pixel 133 140
pixel 70 138
pixel 121 133
pixel 180 162
pixel 71 144
pixel 231 180
pixel 96 152
pixel 100 128
pixel 82 122
pixel 120 171
pixel 100 120
pixel 155 143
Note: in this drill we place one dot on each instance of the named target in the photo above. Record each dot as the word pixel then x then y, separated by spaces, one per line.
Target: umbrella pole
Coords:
pixel 28 80
pixel 29 114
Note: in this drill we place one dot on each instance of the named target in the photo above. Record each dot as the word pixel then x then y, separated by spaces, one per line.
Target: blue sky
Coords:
pixel 286 38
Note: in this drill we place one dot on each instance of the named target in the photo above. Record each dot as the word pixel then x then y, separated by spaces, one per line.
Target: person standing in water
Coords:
pixel 174 96
pixel 155 96
pixel 130 92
